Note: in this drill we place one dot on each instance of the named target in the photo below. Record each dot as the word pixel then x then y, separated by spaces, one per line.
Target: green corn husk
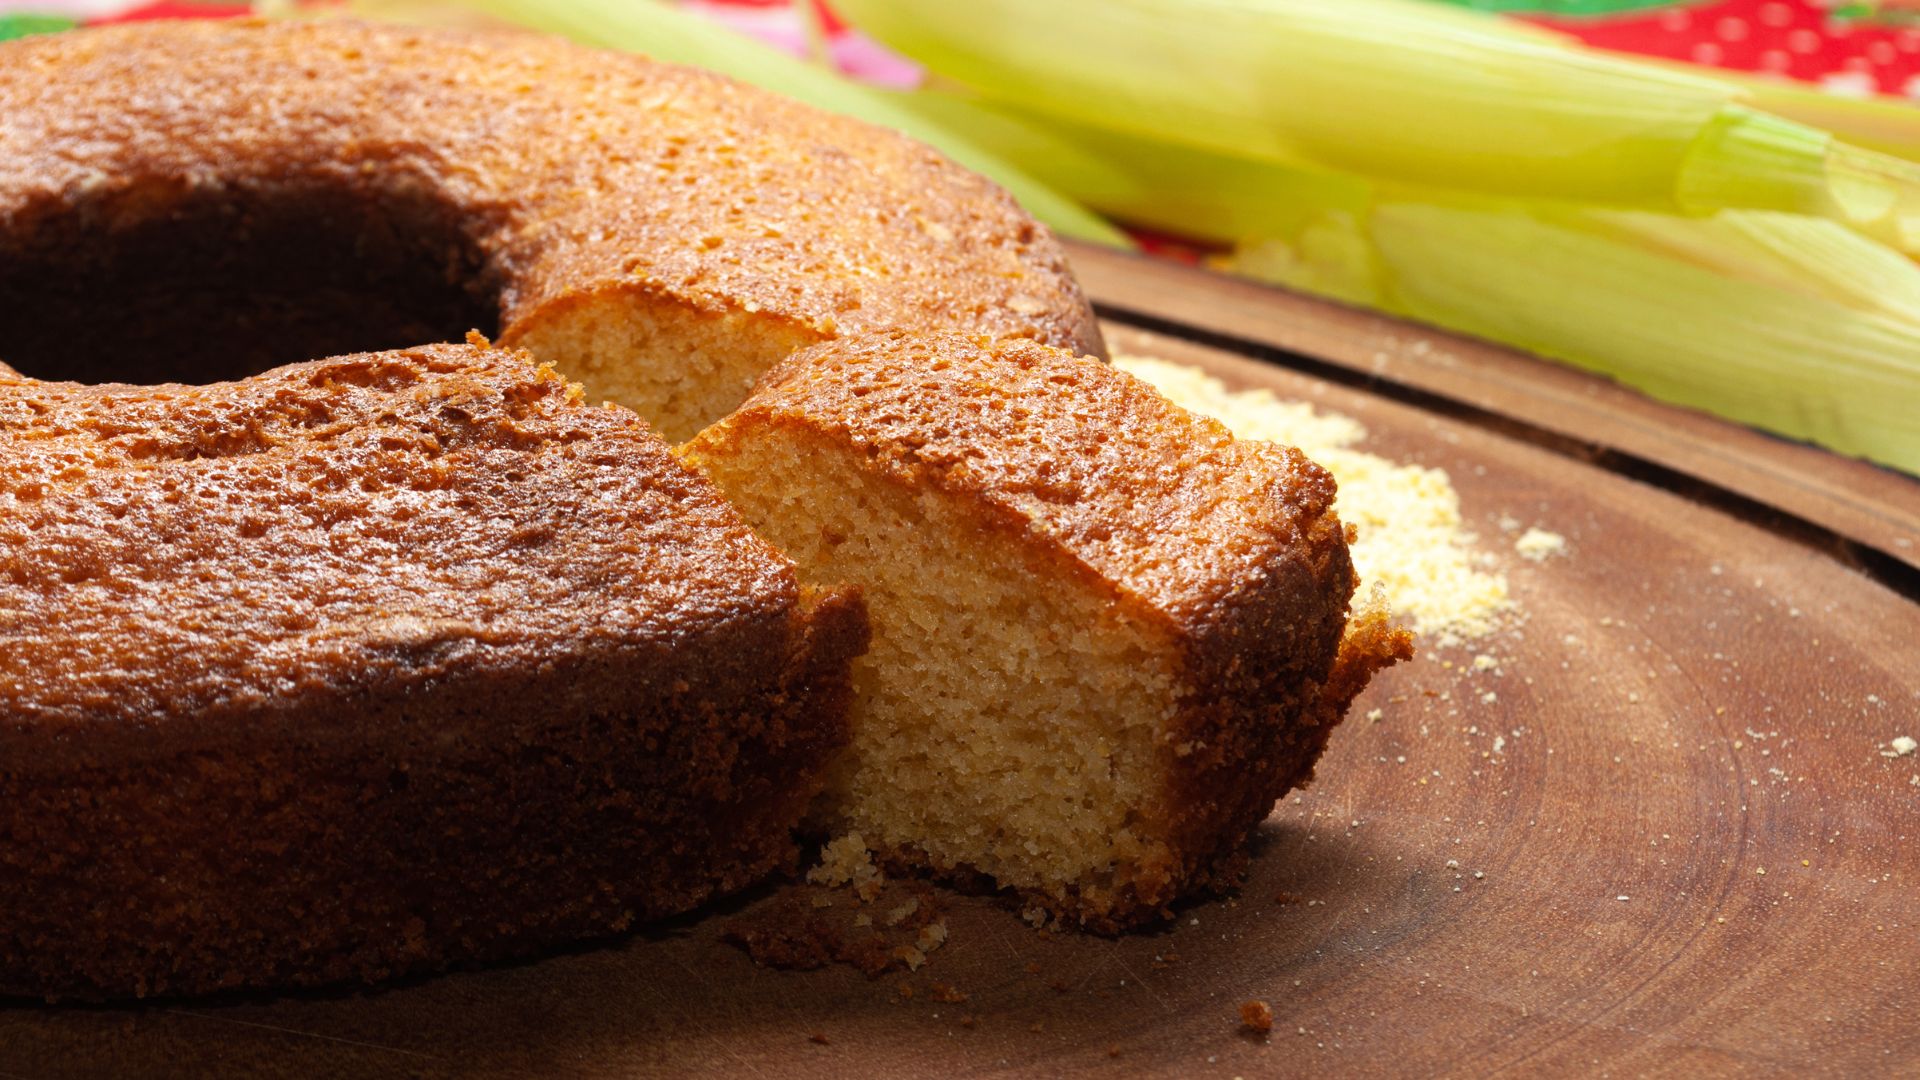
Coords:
pixel 1793 323
pixel 1404 92
pixel 1804 255
pixel 1883 125
pixel 1747 159
pixel 1191 192
pixel 1776 357
pixel 675 36
pixel 24 25
pixel 1309 82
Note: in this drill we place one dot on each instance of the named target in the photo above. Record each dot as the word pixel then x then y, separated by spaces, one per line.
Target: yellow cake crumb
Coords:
pixel 846 861
pixel 1539 545
pixel 932 936
pixel 898 915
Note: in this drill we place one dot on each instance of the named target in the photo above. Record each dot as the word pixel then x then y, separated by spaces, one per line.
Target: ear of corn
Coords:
pixel 1791 354
pixel 1197 193
pixel 1409 92
pixel 1668 228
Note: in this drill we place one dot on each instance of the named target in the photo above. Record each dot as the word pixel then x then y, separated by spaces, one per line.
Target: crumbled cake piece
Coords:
pixel 796 935
pixel 1539 545
pixel 845 860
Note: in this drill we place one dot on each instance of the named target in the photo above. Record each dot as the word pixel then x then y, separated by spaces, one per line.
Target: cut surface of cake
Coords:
pixel 1106 635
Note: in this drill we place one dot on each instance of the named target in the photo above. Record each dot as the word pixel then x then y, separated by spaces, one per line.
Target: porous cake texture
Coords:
pixel 413 658
pixel 374 664
pixel 661 234
pixel 1106 635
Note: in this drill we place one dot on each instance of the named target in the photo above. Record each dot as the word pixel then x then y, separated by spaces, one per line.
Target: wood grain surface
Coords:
pixel 1658 836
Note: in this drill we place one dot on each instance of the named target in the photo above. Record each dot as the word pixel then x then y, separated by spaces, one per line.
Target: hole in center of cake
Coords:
pixel 201 288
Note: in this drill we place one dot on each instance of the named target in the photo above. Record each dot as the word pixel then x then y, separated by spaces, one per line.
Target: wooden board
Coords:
pixel 1660 834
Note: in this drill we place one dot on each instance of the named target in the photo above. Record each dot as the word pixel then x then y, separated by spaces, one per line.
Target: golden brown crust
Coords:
pixel 361 608
pixel 1231 547
pixel 405 590
pixel 1161 506
pixel 495 665
pixel 565 172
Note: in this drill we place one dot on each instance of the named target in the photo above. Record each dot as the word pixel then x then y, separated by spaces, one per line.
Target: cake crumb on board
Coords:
pixel 1539 545
pixel 1256 1016
pixel 793 934
pixel 846 860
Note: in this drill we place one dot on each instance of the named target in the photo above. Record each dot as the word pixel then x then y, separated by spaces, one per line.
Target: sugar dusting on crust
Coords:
pixel 1411 541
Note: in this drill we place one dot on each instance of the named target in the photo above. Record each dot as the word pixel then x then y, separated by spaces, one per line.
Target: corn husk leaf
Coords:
pixel 1407 93
pixel 1885 125
pixel 1191 192
pixel 1790 322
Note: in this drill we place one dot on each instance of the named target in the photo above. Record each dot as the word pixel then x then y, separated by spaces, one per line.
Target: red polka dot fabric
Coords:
pixel 1853 49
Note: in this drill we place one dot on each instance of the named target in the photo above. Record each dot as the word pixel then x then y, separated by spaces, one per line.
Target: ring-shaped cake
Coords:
pixel 339 669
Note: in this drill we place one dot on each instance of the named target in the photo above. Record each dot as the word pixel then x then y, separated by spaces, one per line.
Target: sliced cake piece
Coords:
pixel 1106 635
pixel 375 665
